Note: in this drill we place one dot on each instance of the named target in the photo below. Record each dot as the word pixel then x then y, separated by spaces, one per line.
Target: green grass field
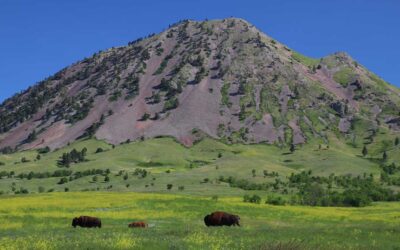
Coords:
pixel 43 221
pixel 168 162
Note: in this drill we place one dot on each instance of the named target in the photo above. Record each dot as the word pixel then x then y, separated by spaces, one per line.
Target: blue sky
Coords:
pixel 38 38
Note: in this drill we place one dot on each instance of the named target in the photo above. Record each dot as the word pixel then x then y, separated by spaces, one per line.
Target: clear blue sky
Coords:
pixel 38 38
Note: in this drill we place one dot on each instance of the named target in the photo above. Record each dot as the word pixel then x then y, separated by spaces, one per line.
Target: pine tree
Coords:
pixel 364 151
pixel 31 137
pixel 292 148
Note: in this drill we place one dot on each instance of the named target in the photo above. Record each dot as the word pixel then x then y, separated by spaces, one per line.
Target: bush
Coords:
pixel 181 188
pixel 275 200
pixel 63 180
pixel 145 117
pixel 41 189
pixel 354 198
pixel 99 150
pixel 169 186
pixel 43 150
pixel 22 191
pixel 214 198
pixel 171 104
pixel 252 199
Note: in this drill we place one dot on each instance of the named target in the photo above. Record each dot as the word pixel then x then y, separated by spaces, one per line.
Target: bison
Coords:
pixel 221 219
pixel 138 224
pixel 86 221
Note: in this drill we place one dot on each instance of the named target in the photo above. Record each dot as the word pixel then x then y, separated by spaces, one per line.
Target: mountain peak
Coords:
pixel 219 78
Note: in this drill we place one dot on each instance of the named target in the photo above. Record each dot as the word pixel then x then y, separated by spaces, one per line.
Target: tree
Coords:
pixel 94 178
pixel 172 103
pixel 242 89
pixel 292 148
pixel 364 151
pixel 384 156
pixel 31 137
pixel 296 92
pixel 169 186
pixel 396 141
pixel 126 176
pixel 145 117
pixel 156 98
pixel 312 194
pixel 253 172
pixel 106 178
pixel 38 157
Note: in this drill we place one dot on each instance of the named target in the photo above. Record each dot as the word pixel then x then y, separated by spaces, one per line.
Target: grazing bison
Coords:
pixel 221 219
pixel 86 221
pixel 138 224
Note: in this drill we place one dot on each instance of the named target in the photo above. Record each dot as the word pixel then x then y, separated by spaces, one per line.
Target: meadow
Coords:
pixel 168 162
pixel 43 221
pixel 180 187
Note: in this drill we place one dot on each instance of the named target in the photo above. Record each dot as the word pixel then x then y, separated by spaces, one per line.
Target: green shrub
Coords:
pixel 43 150
pixel 41 189
pixel 275 200
pixel 252 199
pixel 171 104
pixel 62 180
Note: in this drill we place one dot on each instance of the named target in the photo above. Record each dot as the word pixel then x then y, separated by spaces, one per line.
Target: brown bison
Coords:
pixel 138 224
pixel 221 219
pixel 86 221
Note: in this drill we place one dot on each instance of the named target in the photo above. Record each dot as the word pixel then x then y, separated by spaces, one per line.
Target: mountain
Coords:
pixel 222 78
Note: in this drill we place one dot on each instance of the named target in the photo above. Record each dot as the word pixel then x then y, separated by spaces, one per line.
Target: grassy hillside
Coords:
pixel 168 162
pixel 176 222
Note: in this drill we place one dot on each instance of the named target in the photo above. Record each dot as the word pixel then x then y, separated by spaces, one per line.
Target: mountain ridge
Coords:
pixel 220 78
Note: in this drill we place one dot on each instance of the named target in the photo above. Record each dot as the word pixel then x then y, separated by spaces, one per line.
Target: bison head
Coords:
pixel 237 219
pixel 75 222
pixel 206 220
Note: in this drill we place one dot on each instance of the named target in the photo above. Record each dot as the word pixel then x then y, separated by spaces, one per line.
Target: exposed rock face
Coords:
pixel 224 78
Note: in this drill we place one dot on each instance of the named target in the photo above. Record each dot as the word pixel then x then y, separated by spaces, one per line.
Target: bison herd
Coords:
pixel 214 219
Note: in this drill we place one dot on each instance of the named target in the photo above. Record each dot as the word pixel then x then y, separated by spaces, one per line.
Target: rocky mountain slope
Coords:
pixel 220 78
